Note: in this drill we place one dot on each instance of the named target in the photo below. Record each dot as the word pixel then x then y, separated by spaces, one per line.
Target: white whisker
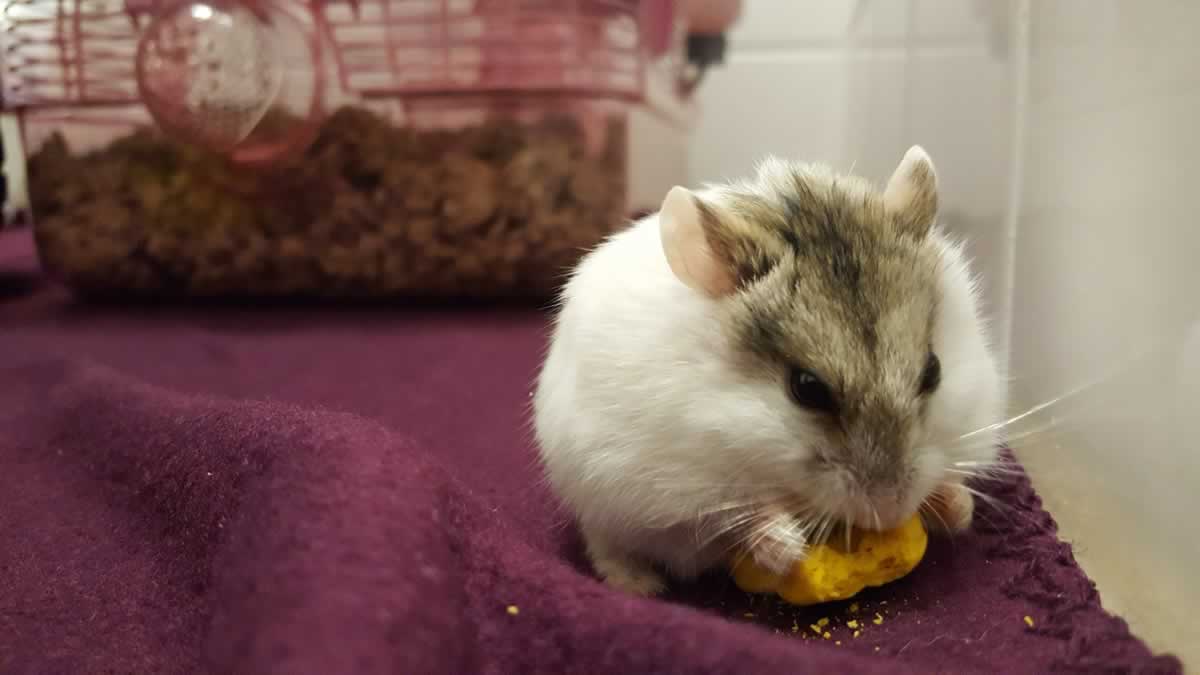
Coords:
pixel 1071 394
pixel 932 510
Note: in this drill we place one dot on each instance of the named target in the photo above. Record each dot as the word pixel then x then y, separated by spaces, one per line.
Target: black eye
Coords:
pixel 931 377
pixel 809 391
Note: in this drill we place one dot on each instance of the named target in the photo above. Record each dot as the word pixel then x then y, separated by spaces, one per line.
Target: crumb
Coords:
pixel 883 602
pixel 823 621
pixel 795 626
pixel 749 615
pixel 852 624
pixel 827 635
pixel 513 610
pixel 1029 621
pixel 815 628
pixel 857 633
pixel 838 643
pixel 854 608
pixel 878 619
pixel 877 649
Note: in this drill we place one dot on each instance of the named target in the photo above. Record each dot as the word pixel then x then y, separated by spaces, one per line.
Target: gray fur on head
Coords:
pixel 839 279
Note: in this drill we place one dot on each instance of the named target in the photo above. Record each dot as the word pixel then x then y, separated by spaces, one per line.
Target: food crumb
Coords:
pixel 513 610
pixel 878 619
pixel 815 628
pixel 823 621
pixel 854 608
pixel 838 643
pixel 749 615
pixel 852 624
pixel 877 649
pixel 1029 621
pixel 857 633
pixel 827 635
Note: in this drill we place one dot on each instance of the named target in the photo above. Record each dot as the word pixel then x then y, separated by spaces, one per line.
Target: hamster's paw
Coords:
pixel 635 579
pixel 622 571
pixel 780 544
pixel 953 509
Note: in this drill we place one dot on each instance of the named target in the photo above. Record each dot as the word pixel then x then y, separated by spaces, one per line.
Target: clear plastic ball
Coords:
pixel 239 78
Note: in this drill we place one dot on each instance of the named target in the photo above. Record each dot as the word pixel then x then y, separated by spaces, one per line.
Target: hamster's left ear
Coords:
pixel 911 195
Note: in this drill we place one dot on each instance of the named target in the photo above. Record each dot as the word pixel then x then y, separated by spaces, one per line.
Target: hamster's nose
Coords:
pixel 880 510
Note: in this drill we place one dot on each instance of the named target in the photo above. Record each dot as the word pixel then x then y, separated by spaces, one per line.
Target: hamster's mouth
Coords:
pixel 877 515
pixel 844 537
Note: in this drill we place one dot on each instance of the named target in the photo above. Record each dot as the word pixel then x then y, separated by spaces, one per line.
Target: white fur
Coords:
pixel 647 426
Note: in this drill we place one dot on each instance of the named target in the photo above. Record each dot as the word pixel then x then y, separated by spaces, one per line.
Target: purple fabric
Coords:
pixel 354 491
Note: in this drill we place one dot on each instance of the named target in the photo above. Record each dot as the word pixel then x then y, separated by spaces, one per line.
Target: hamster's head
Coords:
pixel 861 377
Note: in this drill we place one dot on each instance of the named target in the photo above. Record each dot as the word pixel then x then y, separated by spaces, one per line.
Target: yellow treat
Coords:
pixel 831 572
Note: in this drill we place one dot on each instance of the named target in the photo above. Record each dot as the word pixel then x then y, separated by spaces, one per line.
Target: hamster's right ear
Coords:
pixel 687 227
pixel 912 192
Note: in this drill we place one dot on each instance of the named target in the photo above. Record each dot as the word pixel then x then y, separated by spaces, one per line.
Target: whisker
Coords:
pixel 994 474
pixel 989 470
pixel 1010 513
pixel 1128 364
pixel 996 462
pixel 734 524
pixel 827 523
pixel 932 510
pixel 748 542
pixel 990 500
pixel 724 528
pixel 725 507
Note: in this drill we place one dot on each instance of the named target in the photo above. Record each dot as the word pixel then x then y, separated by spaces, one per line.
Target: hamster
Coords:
pixel 761 363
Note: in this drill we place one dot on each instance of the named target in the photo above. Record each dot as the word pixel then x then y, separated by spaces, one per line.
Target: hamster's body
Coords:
pixel 608 367
pixel 666 410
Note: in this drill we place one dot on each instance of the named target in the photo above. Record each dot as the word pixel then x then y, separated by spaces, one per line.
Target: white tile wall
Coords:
pixel 792 106
pixel 951 19
pixel 792 22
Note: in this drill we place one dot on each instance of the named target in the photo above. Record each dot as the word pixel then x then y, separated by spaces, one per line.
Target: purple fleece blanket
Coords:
pixel 354 491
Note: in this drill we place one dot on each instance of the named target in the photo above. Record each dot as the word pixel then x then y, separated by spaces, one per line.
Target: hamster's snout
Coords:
pixel 879 509
pixel 877 484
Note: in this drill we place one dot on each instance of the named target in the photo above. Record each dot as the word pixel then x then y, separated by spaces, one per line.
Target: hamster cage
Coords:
pixel 337 148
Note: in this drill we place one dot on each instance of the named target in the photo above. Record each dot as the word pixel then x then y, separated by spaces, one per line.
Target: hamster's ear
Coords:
pixel 687 227
pixel 911 193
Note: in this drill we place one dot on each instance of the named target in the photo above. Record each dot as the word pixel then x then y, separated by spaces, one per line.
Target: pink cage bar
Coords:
pixel 76 53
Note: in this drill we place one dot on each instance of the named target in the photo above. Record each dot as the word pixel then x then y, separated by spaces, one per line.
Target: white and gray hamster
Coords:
pixel 761 362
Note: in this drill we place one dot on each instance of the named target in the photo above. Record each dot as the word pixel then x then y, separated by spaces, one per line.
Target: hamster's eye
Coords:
pixel 809 391
pixel 931 377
